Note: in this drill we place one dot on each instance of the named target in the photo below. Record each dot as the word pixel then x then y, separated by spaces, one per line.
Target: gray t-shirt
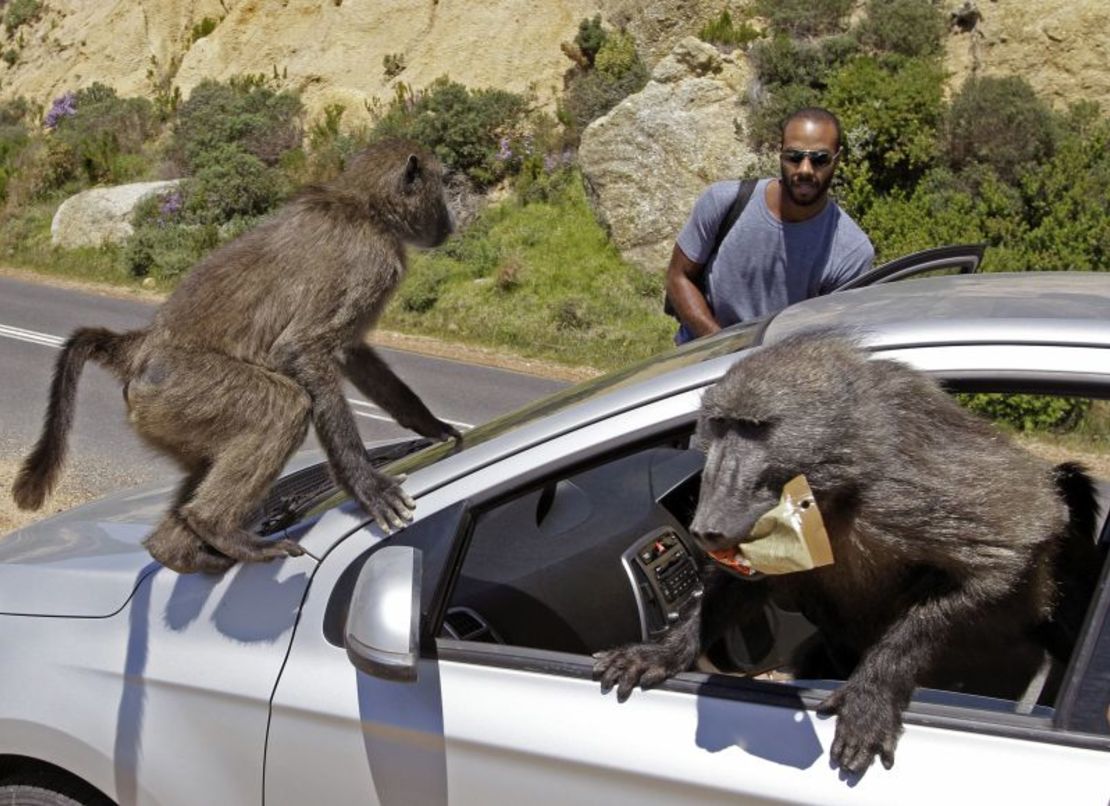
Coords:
pixel 765 264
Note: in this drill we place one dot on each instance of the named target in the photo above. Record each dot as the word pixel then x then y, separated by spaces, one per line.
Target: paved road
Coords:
pixel 105 453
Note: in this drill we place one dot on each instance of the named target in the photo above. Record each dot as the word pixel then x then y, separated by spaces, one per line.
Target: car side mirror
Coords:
pixel 382 636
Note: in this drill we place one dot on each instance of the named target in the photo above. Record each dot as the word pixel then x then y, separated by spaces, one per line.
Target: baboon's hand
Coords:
pixel 867 724
pixel 438 430
pixel 645 665
pixel 384 501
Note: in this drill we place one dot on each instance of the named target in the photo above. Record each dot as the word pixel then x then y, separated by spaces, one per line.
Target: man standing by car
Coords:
pixel 790 242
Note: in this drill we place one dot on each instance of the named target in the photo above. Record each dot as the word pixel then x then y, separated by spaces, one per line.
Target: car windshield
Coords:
pixel 730 340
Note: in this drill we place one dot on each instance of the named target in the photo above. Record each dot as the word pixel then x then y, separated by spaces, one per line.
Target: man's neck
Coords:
pixel 782 208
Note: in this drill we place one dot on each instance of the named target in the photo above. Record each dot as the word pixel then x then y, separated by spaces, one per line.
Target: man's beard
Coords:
pixel 820 188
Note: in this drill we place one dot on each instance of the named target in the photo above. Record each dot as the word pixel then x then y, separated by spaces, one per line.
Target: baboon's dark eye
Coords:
pixel 751 429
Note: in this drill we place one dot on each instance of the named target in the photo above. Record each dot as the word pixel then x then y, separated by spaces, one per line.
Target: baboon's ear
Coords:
pixel 412 169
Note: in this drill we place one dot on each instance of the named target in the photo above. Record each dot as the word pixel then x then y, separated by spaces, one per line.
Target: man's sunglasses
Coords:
pixel 819 159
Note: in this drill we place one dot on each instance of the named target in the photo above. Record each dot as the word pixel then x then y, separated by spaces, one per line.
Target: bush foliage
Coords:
pixel 802 18
pixel 244 112
pixel 20 13
pixel 908 27
pixel 1028 412
pixel 465 127
pixel 999 121
pixel 725 33
pixel 615 72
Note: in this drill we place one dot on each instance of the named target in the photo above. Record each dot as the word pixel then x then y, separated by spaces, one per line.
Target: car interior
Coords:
pixel 601 557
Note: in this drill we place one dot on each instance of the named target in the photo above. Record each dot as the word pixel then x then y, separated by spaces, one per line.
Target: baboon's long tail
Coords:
pixel 39 472
pixel 1080 558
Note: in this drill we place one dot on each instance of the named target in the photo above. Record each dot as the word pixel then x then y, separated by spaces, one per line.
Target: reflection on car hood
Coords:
pixel 87 561
pixel 84 562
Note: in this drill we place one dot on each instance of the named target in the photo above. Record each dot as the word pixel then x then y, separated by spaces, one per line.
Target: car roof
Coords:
pixel 1027 307
pixel 1024 308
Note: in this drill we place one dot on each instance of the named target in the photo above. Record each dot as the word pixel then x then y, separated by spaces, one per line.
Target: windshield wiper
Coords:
pixel 299 492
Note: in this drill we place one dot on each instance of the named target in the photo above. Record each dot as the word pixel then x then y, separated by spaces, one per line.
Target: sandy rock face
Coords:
pixel 1061 47
pixel 101 215
pixel 648 159
pixel 331 52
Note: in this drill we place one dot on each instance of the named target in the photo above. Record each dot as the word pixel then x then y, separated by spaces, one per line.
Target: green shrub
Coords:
pixel 1028 412
pixel 326 151
pixel 723 32
pixel 167 252
pixel 908 27
pixel 949 208
pixel 765 120
pixel 204 28
pixel 15 112
pixel 464 127
pixel 617 55
pixel 894 108
pixel 617 73
pixel 19 13
pixel 591 36
pixel 999 121
pixel 1069 226
pixel 805 17
pixel 419 292
pixel 782 61
pixel 104 134
pixel 244 112
pixel 231 183
pixel 591 94
pixel 11 56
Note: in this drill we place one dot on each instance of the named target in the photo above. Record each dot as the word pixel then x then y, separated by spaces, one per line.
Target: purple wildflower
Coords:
pixel 504 151
pixel 170 205
pixel 64 106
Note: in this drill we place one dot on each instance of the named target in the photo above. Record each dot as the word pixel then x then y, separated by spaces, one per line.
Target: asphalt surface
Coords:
pixel 104 452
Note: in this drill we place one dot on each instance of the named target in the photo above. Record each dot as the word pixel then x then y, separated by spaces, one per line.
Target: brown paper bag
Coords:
pixel 790 537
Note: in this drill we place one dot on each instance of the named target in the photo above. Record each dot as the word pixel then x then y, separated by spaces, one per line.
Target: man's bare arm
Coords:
pixel 688 301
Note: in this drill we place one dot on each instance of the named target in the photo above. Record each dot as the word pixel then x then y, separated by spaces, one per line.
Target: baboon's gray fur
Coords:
pixel 959 558
pixel 253 345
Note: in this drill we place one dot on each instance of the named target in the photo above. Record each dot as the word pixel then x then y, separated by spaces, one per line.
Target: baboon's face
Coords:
pixel 402 183
pixel 776 415
pixel 424 201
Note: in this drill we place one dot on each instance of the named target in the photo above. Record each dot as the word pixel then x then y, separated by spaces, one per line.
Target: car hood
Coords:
pixel 83 562
pixel 87 561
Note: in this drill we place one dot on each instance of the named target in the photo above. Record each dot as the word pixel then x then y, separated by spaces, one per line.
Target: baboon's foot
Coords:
pixel 175 546
pixel 384 500
pixel 643 665
pixel 239 543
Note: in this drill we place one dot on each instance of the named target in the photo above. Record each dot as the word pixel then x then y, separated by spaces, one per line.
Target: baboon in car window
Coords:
pixel 959 559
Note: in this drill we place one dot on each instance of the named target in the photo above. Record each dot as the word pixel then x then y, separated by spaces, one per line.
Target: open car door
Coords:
pixel 956 259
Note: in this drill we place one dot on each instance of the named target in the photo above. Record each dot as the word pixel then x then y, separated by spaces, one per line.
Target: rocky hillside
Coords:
pixel 1061 47
pixel 332 50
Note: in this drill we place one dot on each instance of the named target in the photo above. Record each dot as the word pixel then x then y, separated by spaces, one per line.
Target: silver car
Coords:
pixel 450 662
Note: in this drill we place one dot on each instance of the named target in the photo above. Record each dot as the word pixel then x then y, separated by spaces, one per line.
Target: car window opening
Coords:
pixel 601 557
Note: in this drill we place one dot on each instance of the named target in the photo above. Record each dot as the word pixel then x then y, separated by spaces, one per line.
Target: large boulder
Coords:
pixel 101 215
pixel 646 161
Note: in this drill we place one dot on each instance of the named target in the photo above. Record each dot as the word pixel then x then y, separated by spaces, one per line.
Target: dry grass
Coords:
pixel 1095 455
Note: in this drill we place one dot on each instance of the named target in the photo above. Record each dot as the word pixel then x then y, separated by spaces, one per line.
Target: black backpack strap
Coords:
pixel 747 188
